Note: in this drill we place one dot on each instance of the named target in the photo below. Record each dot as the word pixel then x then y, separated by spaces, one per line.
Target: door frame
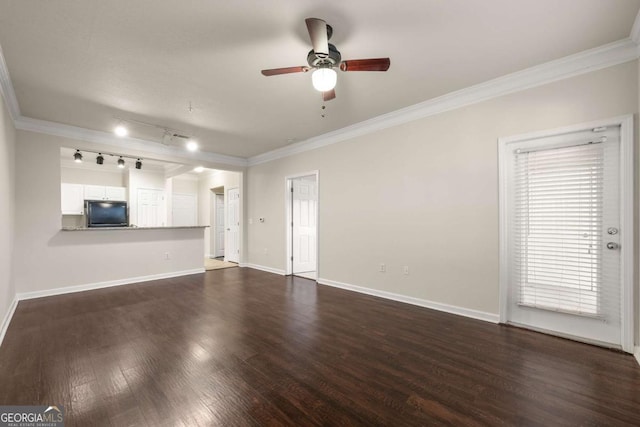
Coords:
pixel 288 219
pixel 626 217
pixel 226 223
pixel 213 231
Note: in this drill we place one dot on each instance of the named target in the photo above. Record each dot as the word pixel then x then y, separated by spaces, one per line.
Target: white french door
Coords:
pixel 565 235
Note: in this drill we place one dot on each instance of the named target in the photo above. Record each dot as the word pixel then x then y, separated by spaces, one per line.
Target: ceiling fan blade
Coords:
pixel 377 64
pixel 287 70
pixel 318 34
pixel 329 95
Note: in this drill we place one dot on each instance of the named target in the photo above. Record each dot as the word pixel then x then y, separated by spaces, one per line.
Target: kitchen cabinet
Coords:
pixel 72 200
pixel 100 192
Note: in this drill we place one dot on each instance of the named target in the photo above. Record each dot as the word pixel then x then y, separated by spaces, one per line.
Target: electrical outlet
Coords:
pixel 383 268
pixel 405 270
pixel 166 255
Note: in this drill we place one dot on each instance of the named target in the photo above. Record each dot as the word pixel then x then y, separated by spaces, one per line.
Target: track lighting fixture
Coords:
pixel 77 157
pixel 168 137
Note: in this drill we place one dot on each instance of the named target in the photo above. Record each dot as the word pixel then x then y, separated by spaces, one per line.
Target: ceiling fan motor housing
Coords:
pixel 333 59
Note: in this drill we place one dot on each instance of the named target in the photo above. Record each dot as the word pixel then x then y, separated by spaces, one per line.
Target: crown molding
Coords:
pixel 584 62
pixel 100 137
pixel 6 89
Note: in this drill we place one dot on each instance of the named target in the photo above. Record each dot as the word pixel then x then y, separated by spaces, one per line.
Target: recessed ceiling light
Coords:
pixel 192 145
pixel 198 169
pixel 121 131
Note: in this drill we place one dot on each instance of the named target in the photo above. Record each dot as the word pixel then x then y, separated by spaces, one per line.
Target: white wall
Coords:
pixel 424 194
pixel 185 185
pixel 216 179
pixel 107 177
pixel 47 258
pixel 7 213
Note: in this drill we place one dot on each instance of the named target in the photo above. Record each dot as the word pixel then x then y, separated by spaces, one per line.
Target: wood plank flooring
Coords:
pixel 240 347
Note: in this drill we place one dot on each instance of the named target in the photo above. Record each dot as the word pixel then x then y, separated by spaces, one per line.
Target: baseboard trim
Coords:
pixel 7 318
pixel 636 354
pixel 263 268
pixel 108 284
pixel 452 309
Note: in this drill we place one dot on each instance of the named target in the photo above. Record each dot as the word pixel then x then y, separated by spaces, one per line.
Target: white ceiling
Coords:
pixel 88 62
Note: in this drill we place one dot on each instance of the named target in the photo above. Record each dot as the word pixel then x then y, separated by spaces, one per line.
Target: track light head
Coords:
pixel 77 157
pixel 138 164
pixel 99 159
pixel 121 162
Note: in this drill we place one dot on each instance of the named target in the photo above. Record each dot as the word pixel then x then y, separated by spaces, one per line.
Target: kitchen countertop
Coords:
pixel 185 227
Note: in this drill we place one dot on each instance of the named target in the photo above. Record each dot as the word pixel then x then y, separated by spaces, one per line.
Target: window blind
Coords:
pixel 562 197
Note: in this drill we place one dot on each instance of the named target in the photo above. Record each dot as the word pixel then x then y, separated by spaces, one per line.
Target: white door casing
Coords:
pixel 304 207
pixel 232 247
pixel 219 226
pixel 553 278
pixel 288 182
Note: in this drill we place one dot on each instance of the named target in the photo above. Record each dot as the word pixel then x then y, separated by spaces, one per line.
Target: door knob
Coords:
pixel 612 245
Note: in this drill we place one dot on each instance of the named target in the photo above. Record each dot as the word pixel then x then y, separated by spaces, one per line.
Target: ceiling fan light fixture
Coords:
pixel 324 79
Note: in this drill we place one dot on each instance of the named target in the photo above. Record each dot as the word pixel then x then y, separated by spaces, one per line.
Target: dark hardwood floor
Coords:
pixel 240 347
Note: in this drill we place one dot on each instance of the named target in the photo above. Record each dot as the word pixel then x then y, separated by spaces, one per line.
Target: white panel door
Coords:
pixel 184 210
pixel 150 208
pixel 564 235
pixel 232 252
pixel 305 199
pixel 219 225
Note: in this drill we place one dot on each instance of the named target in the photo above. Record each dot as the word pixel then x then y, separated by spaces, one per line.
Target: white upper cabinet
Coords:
pixel 71 200
pixel 100 192
pixel 116 193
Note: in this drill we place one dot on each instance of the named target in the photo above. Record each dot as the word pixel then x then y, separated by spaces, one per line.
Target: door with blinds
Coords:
pixel 563 234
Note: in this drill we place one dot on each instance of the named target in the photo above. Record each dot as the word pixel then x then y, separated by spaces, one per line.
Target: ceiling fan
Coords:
pixel 324 57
